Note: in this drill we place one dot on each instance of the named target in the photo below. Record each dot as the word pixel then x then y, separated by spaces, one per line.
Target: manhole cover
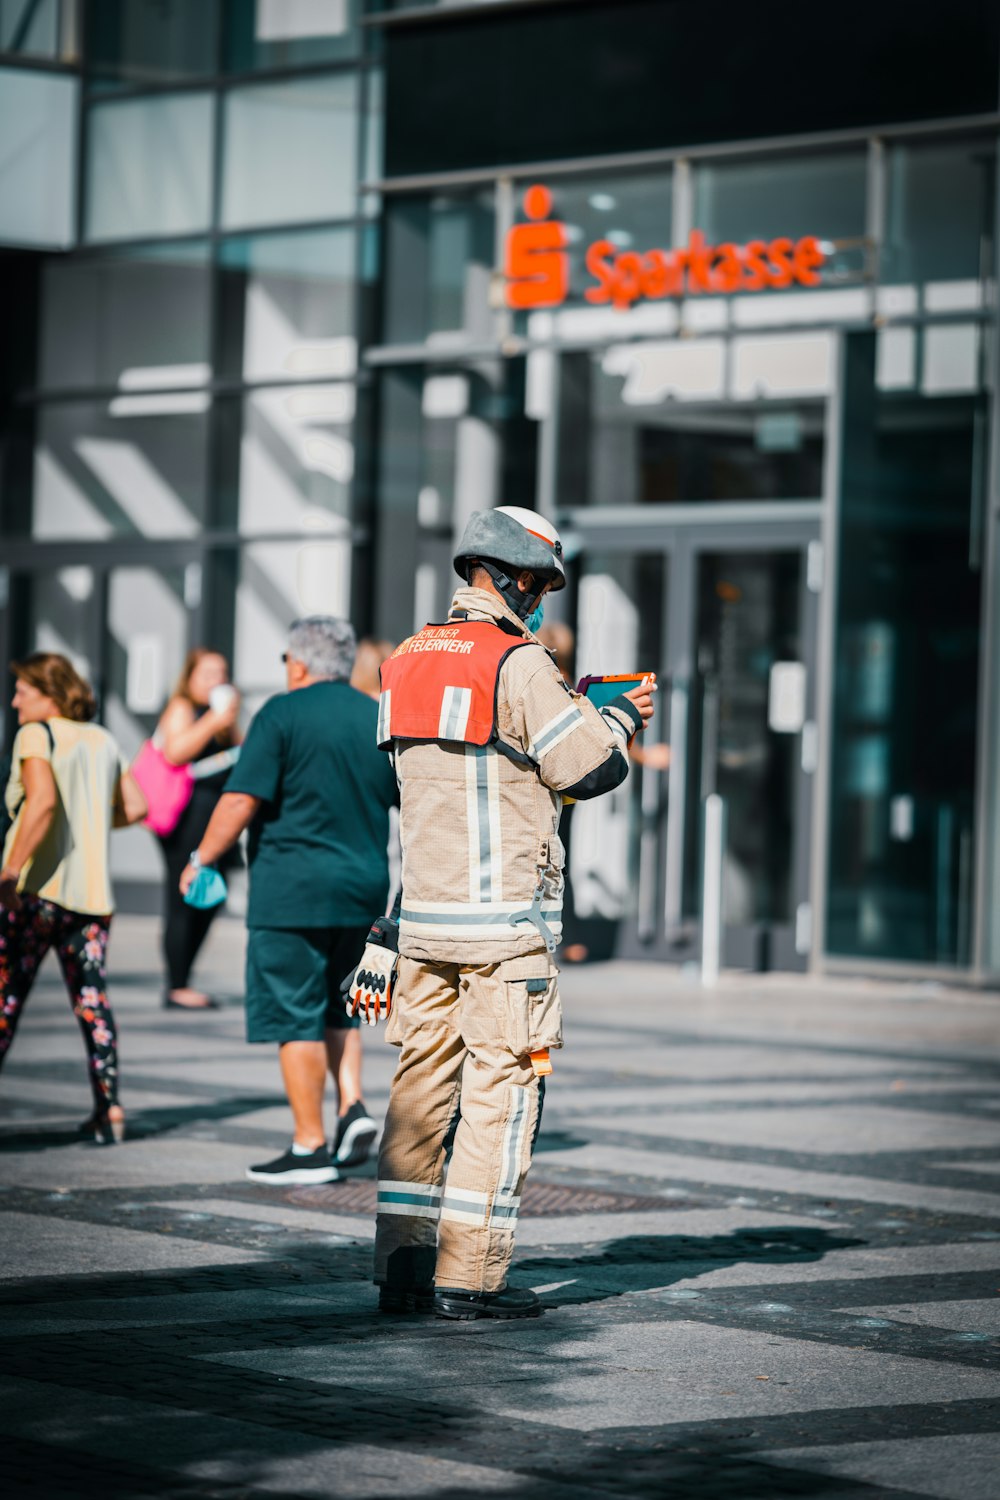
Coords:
pixel 540 1200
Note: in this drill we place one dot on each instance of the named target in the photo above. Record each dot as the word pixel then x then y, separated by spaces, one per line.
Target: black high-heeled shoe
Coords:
pixel 102 1130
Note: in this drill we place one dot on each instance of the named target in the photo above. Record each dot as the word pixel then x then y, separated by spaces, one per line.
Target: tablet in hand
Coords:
pixel 602 690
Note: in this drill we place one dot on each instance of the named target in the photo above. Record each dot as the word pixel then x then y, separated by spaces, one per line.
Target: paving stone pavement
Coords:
pixel 765 1223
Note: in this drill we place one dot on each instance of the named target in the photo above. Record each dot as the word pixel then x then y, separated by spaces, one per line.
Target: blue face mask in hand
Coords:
pixel 206 890
pixel 534 620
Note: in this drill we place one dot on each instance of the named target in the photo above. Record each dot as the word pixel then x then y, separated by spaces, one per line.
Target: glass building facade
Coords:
pixel 271 344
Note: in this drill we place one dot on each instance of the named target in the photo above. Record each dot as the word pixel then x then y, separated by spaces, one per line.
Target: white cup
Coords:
pixel 221 697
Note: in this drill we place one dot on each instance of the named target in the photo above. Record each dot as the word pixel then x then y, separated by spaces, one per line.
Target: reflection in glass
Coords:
pixel 745 453
pixel 37 157
pixel 287 303
pixel 60 614
pixel 139 317
pixel 821 195
pixel 288 33
pixel 748 611
pixel 436 495
pixel 278 582
pixel 144 646
pixel 474 445
pixel 439 262
pixel 145 638
pixel 414 503
pixel 149 167
pixel 39 28
pixel 135 42
pixel 458 237
pixel 219 575
pixel 450 442
pixel 623 441
pixel 290 152
pixel 617 850
pixel 135 466
pixel 940 211
pixel 374 126
pixel 287 458
pixel 907 669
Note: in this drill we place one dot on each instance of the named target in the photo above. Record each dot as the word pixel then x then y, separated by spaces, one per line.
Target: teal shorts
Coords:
pixel 294 976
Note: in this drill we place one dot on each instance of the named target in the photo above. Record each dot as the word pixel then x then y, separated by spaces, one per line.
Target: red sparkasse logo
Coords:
pixel 536 264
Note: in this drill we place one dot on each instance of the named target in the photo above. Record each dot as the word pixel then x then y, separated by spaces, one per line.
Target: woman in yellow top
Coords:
pixel 68 787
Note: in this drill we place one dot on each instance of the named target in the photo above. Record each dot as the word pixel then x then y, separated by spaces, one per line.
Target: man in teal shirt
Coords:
pixel 315 792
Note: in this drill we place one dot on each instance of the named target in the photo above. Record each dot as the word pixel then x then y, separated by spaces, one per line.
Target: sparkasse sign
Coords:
pixel 536 264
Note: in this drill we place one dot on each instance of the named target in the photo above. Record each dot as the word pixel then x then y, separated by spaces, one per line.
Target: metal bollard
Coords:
pixel 711 902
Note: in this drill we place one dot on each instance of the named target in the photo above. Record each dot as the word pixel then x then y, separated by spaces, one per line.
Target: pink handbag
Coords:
pixel 167 788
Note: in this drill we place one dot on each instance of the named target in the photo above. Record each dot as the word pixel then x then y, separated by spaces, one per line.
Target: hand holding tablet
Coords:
pixel 603 689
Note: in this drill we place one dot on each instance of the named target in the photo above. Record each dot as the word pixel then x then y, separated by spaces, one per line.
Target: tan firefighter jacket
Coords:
pixel 480 831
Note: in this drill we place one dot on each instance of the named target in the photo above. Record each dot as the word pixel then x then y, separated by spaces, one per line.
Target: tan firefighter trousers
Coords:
pixel 466 1033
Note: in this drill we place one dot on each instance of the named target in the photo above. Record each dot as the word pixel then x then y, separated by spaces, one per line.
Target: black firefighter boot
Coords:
pixel 409 1283
pixel 508 1302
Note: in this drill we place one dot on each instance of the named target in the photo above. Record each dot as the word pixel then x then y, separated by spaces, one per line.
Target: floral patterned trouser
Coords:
pixel 81 944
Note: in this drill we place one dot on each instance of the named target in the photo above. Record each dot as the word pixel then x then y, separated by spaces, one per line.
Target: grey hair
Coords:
pixel 325 646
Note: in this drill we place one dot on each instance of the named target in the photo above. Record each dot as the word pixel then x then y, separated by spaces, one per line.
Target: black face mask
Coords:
pixel 522 604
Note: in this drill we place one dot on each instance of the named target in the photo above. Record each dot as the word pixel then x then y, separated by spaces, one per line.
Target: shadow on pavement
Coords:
pixel 145 1123
pixel 648 1474
pixel 643 1262
pixel 559 1140
pixel 392 1382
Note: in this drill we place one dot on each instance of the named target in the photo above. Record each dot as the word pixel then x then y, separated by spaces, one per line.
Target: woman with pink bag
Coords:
pixel 199 731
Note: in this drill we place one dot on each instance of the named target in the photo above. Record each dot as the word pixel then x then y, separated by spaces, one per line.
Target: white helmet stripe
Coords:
pixel 537 526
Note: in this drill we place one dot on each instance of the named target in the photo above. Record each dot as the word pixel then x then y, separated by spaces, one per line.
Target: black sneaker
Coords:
pixel 301 1170
pixel 508 1302
pixel 356 1132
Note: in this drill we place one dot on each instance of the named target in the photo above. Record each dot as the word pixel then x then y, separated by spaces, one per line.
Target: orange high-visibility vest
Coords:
pixel 441 684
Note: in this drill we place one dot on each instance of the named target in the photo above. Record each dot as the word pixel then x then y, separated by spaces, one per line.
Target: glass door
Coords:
pixel 727 617
pixel 614 843
pixel 752 741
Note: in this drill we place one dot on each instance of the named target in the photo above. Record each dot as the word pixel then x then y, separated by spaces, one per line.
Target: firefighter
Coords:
pixel 487 740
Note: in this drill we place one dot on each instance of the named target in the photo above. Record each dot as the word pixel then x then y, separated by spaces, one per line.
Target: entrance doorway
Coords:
pixel 725 610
